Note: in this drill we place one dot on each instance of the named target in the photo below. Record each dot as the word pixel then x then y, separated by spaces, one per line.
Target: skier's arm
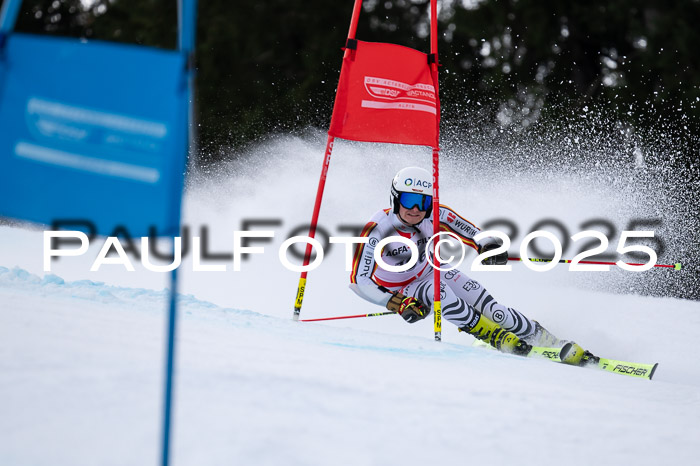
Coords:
pixel 466 231
pixel 410 308
pixel 363 266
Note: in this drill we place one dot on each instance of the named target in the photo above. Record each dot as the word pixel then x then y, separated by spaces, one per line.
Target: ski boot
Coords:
pixel 572 353
pixel 487 330
pixel 542 337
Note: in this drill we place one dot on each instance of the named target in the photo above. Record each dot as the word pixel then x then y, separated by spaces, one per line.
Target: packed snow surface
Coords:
pixel 81 352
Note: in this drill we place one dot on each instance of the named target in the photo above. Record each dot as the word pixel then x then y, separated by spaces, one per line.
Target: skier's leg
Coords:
pixel 466 317
pixel 510 319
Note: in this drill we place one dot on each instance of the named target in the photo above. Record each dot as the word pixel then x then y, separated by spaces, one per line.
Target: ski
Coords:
pixel 632 369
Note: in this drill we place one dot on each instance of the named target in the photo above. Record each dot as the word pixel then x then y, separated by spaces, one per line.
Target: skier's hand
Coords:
pixel 498 259
pixel 411 309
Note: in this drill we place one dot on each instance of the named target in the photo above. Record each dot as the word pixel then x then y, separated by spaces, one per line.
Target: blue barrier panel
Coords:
pixel 97 132
pixel 92 130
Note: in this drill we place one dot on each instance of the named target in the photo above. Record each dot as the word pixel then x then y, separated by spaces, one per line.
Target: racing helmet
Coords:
pixel 412 186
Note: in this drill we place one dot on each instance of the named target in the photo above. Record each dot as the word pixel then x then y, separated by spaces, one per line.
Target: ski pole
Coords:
pixel 349 317
pixel 676 266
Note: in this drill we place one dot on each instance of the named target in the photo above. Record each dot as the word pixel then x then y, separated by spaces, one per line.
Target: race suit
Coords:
pixel 462 298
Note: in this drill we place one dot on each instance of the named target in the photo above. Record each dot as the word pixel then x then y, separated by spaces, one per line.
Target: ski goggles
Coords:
pixel 411 200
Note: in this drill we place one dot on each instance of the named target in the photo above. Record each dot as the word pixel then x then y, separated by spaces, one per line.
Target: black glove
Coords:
pixel 411 309
pixel 498 259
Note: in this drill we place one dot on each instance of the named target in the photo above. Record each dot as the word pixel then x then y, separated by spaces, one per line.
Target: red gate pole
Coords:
pixel 353 21
pixel 322 181
pixel 312 228
pixel 437 304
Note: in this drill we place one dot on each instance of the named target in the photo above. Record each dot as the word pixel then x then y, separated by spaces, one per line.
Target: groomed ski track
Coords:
pixel 82 365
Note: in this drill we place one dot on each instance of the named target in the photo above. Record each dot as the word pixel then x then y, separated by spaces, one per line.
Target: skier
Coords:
pixel 465 302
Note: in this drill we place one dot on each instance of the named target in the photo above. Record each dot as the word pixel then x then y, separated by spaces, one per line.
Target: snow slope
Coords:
pixel 81 352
